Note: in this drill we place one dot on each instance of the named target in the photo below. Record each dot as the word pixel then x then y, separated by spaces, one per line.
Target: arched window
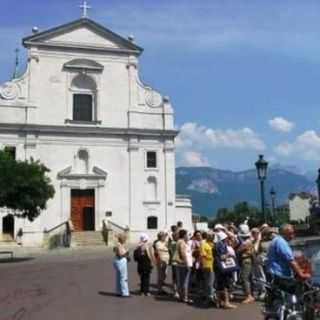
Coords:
pixel 84 91
pixel 151 189
pixel 83 162
pixel 152 222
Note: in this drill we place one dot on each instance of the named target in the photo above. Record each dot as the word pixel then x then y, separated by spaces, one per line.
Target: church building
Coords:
pixel 107 137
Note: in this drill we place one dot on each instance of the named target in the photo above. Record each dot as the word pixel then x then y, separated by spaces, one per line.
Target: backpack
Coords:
pixel 137 254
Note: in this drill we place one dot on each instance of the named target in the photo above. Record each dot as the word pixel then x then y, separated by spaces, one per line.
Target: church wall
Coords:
pixel 144 120
pixel 123 184
pixel 110 158
pixel 51 85
pixel 12 115
pixel 144 205
pixel 112 155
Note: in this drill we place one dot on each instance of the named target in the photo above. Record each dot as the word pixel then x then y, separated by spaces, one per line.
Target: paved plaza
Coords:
pixel 79 284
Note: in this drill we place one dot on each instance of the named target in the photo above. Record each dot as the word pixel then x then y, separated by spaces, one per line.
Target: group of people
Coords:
pixel 209 265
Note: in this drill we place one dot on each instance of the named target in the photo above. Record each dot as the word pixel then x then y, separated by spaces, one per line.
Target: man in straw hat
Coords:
pixel 246 254
pixel 162 257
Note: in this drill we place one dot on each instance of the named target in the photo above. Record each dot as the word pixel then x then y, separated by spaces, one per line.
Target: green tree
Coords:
pixel 24 186
pixel 240 212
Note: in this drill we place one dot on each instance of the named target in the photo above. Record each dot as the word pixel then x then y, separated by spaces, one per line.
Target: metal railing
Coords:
pixel 58 236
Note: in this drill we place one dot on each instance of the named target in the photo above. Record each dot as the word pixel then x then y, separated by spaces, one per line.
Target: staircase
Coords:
pixel 87 239
pixel 6 240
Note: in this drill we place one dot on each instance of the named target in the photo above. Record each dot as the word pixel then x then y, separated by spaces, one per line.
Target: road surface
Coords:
pixel 76 285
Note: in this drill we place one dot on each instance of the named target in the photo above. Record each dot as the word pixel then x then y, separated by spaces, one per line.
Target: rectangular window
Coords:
pixel 151 159
pixel 82 107
pixel 152 223
pixel 11 151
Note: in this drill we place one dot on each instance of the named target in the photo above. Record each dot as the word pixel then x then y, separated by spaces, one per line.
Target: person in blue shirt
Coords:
pixel 280 260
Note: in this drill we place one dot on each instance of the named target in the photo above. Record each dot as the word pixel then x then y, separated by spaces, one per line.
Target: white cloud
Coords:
pixel 194 159
pixel 306 146
pixel 192 134
pixel 281 124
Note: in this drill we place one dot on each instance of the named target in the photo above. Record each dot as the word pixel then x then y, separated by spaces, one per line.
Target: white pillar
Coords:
pixel 169 183
pixel 132 77
pixel 135 187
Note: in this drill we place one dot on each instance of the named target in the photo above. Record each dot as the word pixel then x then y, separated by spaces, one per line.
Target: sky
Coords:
pixel 243 76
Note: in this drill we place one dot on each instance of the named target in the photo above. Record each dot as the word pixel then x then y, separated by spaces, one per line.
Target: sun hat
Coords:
pixel 144 237
pixel 244 231
pixel 220 236
pixel 219 227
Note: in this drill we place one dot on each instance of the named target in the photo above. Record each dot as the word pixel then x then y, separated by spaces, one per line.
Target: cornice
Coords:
pixel 65 46
pixel 84 131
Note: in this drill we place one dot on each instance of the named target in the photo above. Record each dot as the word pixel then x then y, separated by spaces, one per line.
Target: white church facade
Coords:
pixel 108 139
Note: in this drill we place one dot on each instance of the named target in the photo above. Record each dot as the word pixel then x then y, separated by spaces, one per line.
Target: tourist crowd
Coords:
pixel 204 265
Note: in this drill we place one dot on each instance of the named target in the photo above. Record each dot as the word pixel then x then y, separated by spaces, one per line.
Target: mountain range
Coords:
pixel 211 189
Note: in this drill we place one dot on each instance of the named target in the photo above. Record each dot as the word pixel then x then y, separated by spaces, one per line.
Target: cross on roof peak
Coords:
pixel 85 7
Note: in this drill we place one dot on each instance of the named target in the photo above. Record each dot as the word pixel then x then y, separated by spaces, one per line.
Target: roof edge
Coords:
pixel 34 39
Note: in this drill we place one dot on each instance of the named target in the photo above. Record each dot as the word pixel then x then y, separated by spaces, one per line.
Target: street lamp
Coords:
pixel 318 186
pixel 262 166
pixel 273 201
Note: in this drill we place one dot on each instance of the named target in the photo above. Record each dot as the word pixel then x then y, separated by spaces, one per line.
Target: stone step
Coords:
pixel 87 235
pixel 8 244
pixel 6 237
pixel 89 244
pixel 87 238
pixel 77 234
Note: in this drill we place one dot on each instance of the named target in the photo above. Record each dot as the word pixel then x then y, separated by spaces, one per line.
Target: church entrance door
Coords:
pixel 82 210
pixel 8 225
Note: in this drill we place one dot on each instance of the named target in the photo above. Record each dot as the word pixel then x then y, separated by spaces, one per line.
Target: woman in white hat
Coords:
pixel 225 265
pixel 143 256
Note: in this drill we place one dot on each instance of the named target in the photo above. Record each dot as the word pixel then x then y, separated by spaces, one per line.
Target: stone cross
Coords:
pixel 85 8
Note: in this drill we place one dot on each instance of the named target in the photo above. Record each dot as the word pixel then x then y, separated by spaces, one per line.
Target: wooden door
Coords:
pixel 82 209
pixel 88 219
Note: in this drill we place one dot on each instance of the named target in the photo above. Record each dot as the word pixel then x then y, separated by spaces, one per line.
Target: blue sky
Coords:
pixel 243 76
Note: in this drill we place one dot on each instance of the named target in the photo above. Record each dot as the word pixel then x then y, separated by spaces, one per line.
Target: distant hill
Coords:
pixel 211 189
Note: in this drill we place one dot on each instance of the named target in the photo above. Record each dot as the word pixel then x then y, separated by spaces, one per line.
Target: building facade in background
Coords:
pixel 108 138
pixel 299 206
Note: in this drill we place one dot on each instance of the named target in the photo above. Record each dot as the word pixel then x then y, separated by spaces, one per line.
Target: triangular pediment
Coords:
pixel 83 33
pixel 69 173
pixel 83 36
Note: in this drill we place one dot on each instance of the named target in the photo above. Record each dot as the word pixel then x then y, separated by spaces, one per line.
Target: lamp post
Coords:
pixel 273 201
pixel 262 166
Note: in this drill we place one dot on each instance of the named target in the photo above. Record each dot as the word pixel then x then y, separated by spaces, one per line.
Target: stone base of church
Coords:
pixel 32 239
pixel 39 233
